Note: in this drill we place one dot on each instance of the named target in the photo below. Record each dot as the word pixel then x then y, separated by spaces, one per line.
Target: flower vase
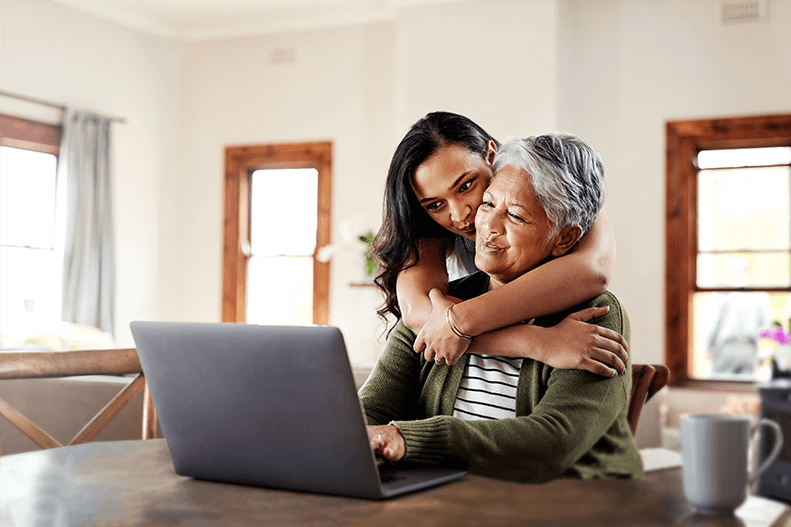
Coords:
pixel 781 362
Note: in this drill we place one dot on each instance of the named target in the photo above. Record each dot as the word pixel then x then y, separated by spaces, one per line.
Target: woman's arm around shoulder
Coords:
pixel 415 282
pixel 553 287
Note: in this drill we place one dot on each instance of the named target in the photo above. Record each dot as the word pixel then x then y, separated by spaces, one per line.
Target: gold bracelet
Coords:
pixel 453 327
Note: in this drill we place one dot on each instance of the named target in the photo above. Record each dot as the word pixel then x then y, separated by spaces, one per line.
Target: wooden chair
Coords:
pixel 647 379
pixel 37 365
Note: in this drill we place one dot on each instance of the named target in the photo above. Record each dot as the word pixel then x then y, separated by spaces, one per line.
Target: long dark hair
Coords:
pixel 404 221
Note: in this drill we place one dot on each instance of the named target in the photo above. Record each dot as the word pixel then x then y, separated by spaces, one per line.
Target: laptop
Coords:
pixel 274 406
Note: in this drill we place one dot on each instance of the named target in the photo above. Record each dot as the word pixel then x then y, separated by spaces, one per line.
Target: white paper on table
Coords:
pixel 659 459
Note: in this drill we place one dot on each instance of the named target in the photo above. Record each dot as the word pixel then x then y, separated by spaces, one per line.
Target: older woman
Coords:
pixel 515 419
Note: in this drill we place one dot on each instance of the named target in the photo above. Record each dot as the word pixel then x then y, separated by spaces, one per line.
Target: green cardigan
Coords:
pixel 569 423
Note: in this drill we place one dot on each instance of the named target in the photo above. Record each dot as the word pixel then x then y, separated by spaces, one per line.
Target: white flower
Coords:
pixel 325 254
pixel 350 230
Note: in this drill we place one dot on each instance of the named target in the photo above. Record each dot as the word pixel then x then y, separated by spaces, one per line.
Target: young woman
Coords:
pixel 434 187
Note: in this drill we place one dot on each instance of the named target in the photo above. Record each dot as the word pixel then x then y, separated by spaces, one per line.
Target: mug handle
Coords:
pixel 775 451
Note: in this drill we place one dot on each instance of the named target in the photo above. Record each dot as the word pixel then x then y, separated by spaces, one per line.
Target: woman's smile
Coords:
pixel 488 247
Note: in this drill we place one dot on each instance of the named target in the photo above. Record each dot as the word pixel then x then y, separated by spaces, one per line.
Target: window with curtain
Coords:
pixel 728 257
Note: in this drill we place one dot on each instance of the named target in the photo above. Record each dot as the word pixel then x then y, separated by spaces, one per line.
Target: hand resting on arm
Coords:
pixel 557 285
pixel 571 344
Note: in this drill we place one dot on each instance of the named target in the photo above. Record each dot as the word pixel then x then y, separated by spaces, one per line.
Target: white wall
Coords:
pixel 58 54
pixel 495 62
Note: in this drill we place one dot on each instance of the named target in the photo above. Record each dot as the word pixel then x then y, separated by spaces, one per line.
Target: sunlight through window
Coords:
pixel 743 258
pixel 29 273
pixel 283 224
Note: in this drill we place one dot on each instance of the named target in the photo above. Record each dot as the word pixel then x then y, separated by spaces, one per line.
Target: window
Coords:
pixel 277 216
pixel 282 245
pixel 728 244
pixel 29 262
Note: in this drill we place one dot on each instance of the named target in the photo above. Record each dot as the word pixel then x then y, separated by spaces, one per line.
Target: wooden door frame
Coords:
pixel 240 163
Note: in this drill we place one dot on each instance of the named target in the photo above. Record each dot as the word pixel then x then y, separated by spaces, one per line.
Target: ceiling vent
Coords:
pixel 740 11
pixel 282 56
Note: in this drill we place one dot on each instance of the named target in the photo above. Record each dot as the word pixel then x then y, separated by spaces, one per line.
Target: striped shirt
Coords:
pixel 488 388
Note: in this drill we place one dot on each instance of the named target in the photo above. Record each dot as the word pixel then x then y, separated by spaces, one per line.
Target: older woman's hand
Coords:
pixel 387 441
pixel 436 340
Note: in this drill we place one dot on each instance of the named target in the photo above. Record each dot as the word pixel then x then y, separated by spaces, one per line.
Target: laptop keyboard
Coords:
pixel 390 478
pixel 389 474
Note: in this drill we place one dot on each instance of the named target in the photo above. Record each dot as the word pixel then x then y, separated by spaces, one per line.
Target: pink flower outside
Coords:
pixel 777 333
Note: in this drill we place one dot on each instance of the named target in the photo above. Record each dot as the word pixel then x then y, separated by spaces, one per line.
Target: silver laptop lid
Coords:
pixel 263 405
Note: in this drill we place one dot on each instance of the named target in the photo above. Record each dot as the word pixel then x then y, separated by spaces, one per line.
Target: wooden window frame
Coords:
pixel 240 163
pixel 684 139
pixel 17 132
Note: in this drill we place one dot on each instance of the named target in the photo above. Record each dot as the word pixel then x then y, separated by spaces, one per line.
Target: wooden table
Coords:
pixel 133 483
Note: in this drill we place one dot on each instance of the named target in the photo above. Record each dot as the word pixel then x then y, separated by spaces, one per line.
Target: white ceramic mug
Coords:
pixel 714 451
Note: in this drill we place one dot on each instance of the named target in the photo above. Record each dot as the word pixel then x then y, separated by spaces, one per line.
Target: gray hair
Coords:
pixel 567 176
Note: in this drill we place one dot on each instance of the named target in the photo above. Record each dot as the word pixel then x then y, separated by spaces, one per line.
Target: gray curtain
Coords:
pixel 89 253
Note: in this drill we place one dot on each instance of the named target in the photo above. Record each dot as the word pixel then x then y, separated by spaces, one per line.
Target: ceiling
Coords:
pixel 193 20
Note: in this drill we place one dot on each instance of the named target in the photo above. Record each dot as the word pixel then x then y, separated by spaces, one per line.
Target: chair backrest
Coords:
pixel 647 379
pixel 37 365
